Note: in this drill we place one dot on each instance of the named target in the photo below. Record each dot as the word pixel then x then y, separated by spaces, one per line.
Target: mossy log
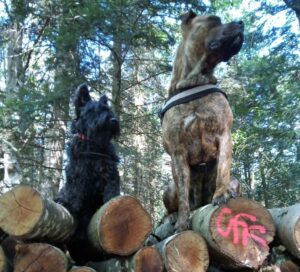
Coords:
pixel 120 227
pixel 82 269
pixel 147 259
pixel 3 261
pixel 25 214
pixel 287 222
pixel 238 233
pixel 185 251
pixel 37 257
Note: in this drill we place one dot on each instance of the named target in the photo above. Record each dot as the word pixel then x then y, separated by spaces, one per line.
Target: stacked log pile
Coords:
pixel 237 236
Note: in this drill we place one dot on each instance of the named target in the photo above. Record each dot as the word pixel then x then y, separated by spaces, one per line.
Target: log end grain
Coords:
pixel 20 210
pixel 148 259
pixel 242 229
pixel 124 226
pixel 187 251
pixel 38 257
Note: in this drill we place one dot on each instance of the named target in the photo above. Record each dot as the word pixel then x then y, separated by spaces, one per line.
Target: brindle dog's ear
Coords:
pixel 82 96
pixel 187 17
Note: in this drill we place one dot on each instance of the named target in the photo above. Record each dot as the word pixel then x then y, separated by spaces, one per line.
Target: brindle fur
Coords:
pixel 199 131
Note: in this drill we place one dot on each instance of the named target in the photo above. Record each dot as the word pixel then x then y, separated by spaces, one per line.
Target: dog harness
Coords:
pixel 187 95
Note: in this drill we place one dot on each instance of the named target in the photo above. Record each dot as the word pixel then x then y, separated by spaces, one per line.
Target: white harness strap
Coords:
pixel 189 95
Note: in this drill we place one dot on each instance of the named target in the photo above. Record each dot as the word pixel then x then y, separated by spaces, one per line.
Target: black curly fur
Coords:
pixel 92 174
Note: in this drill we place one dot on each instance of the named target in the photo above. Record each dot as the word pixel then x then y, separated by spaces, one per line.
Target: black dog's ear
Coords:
pixel 82 96
pixel 187 17
pixel 103 99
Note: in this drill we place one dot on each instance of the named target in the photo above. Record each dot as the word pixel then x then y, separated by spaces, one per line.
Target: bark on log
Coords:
pixel 3 261
pixel 287 222
pixel 120 226
pixel 147 259
pixel 82 269
pixel 37 257
pixel 237 233
pixel 25 214
pixel 165 229
pixel 185 251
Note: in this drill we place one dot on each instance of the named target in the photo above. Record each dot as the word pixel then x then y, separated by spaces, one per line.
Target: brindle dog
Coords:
pixel 199 132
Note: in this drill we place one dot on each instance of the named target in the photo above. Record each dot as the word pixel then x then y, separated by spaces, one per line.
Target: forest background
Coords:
pixel 125 48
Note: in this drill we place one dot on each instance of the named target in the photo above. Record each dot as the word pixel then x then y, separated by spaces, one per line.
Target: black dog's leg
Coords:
pixel 112 189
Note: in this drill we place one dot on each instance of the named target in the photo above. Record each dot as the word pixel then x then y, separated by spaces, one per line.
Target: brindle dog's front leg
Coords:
pixel 182 174
pixel 223 189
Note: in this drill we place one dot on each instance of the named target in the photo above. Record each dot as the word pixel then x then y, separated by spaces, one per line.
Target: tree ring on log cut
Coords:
pixel 242 229
pixel 21 210
pixel 124 224
pixel 148 259
pixel 39 257
pixel 187 251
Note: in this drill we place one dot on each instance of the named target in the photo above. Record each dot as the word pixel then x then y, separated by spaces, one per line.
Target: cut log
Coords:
pixel 147 259
pixel 37 257
pixel 120 226
pixel 185 251
pixel 82 269
pixel 287 222
pixel 238 233
pixel 25 214
pixel 3 261
pixel 165 229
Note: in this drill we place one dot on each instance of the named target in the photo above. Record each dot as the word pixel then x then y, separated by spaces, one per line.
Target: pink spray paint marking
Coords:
pixel 235 223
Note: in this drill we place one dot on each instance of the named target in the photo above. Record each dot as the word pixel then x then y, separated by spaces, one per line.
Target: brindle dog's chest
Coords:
pixel 194 127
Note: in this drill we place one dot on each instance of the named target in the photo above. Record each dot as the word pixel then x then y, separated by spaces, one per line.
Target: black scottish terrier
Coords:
pixel 91 173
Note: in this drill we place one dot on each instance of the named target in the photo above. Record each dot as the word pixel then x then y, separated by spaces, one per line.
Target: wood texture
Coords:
pixel 147 259
pixel 120 227
pixel 237 233
pixel 186 251
pixel 25 214
pixel 37 257
pixel 287 221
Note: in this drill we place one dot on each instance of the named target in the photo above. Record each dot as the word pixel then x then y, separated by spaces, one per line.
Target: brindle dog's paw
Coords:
pixel 220 199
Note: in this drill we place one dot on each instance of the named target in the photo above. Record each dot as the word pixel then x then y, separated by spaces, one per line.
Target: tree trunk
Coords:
pixel 82 269
pixel 237 233
pixel 14 79
pixel 117 75
pixel 120 226
pixel 3 261
pixel 287 222
pixel 25 214
pixel 146 259
pixel 39 257
pixel 186 251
